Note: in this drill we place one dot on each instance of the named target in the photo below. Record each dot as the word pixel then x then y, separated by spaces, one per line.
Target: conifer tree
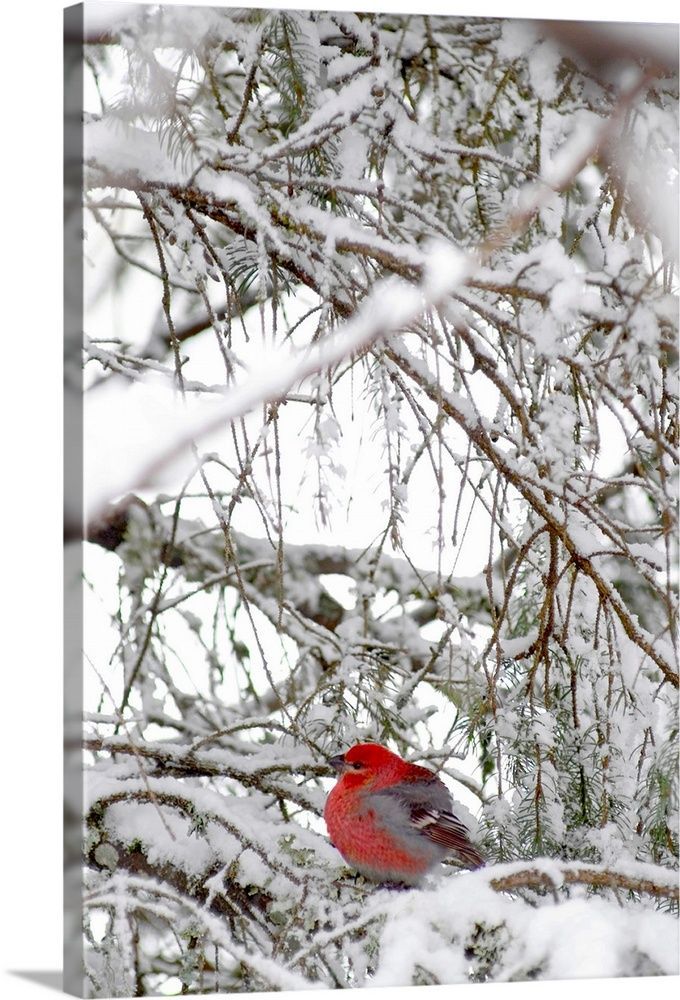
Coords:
pixel 444 249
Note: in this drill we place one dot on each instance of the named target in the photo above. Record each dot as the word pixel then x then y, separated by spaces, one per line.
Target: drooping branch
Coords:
pixel 540 498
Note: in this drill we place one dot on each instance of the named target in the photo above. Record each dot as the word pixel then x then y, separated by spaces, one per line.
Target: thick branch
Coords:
pixel 533 878
pixel 304 562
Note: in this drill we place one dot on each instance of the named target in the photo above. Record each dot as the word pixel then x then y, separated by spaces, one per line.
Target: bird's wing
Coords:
pixel 444 828
pixel 426 806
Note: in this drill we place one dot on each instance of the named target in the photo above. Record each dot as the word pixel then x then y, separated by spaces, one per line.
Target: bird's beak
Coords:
pixel 338 763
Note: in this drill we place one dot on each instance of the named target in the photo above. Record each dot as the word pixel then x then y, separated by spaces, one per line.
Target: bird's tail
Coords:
pixel 470 856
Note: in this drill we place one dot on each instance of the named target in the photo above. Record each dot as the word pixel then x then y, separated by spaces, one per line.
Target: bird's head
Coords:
pixel 365 763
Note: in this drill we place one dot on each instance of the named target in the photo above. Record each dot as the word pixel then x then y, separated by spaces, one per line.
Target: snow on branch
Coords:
pixel 386 306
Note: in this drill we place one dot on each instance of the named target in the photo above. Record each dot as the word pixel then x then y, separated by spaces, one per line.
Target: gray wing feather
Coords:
pixel 424 807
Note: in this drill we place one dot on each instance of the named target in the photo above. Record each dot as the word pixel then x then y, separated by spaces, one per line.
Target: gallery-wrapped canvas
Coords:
pixel 370 514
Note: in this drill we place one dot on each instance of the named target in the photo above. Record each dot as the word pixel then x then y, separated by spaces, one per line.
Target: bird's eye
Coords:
pixel 357 765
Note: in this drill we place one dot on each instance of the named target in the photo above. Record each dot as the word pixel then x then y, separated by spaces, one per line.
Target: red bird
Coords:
pixel 392 820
